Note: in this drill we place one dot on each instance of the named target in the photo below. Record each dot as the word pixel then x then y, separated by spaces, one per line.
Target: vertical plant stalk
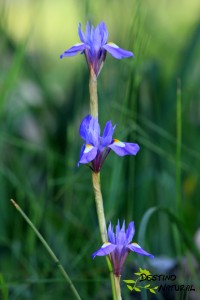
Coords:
pixel 93 94
pixel 117 287
pixel 178 167
pixel 99 206
pixel 97 186
pixel 49 250
pixel 178 148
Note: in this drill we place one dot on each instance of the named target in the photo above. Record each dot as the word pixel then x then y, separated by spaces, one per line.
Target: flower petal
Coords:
pixel 111 235
pixel 136 248
pixel 117 52
pixel 122 149
pixel 103 33
pixel 81 34
pixel 107 134
pixel 90 130
pixel 106 249
pixel 73 50
pixel 130 232
pixel 88 153
pixel 93 132
pixel 84 127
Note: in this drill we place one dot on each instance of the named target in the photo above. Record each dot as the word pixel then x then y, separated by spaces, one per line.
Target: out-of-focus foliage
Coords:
pixel 42 102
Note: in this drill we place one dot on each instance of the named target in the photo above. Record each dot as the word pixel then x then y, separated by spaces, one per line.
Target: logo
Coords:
pixel 145 278
pixel 135 285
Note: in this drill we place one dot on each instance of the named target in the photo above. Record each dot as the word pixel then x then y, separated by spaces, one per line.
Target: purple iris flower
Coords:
pixel 96 147
pixel 94 45
pixel 119 245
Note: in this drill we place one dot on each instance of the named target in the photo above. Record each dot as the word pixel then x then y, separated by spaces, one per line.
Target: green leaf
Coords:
pixel 136 289
pixel 146 272
pixel 141 271
pixel 138 274
pixel 152 291
pixel 156 287
pixel 129 281
pixel 3 288
pixel 172 217
pixel 129 287
pixel 148 285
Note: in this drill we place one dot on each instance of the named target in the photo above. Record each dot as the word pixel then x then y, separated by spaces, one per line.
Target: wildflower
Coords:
pixel 119 245
pixel 94 45
pixel 97 148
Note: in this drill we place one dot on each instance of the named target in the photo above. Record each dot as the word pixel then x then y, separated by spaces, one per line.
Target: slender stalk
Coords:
pixel 178 148
pixel 93 94
pixel 178 243
pixel 117 287
pixel 49 250
pixel 99 206
pixel 96 183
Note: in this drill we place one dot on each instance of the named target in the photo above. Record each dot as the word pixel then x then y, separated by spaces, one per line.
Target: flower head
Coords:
pixel 94 45
pixel 119 245
pixel 96 147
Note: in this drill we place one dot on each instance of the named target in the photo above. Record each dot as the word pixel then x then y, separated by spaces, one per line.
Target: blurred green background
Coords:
pixel 42 102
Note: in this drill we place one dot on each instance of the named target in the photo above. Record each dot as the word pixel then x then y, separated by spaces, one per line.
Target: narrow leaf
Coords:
pixel 3 288
pixel 129 287
pixel 136 289
pixel 156 287
pixel 129 281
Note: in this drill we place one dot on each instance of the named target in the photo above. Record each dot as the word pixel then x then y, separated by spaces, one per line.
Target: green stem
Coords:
pixel 178 166
pixel 117 287
pixel 99 206
pixel 93 94
pixel 51 253
pixel 178 148
pixel 96 182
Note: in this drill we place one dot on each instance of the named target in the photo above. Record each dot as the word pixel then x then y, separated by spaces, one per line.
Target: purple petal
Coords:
pixel 111 234
pixel 84 127
pixel 88 32
pixel 81 34
pixel 121 148
pixel 107 134
pixel 106 249
pixel 94 132
pixel 120 234
pixel 130 232
pixel 103 33
pixel 73 50
pixel 97 39
pixel 88 153
pixel 136 248
pixel 117 228
pixel 117 52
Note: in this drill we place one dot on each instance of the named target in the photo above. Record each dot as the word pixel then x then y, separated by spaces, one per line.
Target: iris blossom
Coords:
pixel 119 245
pixel 94 45
pixel 96 147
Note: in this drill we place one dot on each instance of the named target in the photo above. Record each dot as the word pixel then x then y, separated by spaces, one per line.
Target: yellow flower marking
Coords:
pixel 88 148
pixel 136 245
pixel 105 244
pixel 113 45
pixel 118 143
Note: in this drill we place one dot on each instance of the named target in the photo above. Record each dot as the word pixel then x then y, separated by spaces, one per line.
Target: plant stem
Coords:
pixel 93 94
pixel 96 181
pixel 178 166
pixel 178 148
pixel 99 206
pixel 49 250
pixel 117 287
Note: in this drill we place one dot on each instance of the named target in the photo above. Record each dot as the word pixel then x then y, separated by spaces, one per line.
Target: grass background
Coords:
pixel 42 101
